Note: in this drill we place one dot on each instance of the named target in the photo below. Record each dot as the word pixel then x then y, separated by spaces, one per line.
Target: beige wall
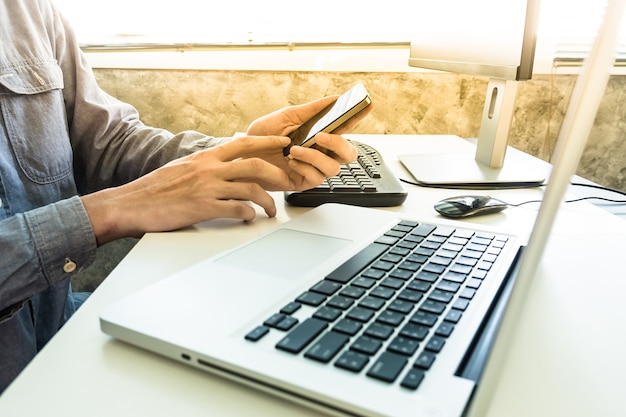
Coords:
pixel 220 103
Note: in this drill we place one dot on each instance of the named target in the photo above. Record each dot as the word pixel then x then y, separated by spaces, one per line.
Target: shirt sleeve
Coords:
pixel 111 144
pixel 55 241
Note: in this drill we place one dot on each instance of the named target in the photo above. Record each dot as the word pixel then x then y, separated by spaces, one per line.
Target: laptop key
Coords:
pixel 413 379
pixel 387 367
pixel 354 265
pixel 257 333
pixel 303 334
pixel 327 347
pixel 352 361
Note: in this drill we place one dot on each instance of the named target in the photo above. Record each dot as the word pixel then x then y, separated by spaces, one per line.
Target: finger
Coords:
pixel 249 145
pixel 333 146
pixel 316 160
pixel 309 175
pixel 258 171
pixel 238 193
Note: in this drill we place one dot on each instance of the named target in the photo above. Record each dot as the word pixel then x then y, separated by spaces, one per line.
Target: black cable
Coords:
pixel 577 184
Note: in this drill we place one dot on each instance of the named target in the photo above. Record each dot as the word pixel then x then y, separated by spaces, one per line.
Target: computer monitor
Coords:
pixel 491 38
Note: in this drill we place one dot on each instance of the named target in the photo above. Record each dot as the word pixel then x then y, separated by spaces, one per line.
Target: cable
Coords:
pixel 577 184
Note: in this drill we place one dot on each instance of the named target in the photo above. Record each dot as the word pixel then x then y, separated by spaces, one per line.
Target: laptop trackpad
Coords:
pixel 285 253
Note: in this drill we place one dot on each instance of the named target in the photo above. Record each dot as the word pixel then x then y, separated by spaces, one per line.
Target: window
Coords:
pixel 340 31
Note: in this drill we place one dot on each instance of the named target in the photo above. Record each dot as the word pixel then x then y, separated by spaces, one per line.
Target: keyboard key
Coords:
pixel 425 360
pixel 347 326
pixel 360 314
pixel 352 291
pixel 435 344
pixel 433 306
pixel 387 367
pixel 352 361
pixel 274 320
pixel 291 308
pixel 401 306
pixel 340 302
pixel 403 345
pixel 413 379
pixel 366 345
pixel 444 329
pixel 327 347
pixel 326 287
pixel 287 323
pixel 379 331
pixel 327 313
pixel 357 263
pixel 391 318
pixel 257 333
pixel 414 331
pixel 424 318
pixel 372 302
pixel 298 338
pixel 311 298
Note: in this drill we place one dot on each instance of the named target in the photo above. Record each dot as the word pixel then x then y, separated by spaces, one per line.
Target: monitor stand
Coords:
pixel 489 168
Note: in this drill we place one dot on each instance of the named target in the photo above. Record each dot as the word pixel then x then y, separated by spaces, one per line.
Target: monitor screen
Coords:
pixel 490 38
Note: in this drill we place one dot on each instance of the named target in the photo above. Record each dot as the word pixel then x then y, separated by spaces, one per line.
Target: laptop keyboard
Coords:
pixel 388 311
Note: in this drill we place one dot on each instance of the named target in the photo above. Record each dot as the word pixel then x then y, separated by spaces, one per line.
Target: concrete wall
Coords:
pixel 220 103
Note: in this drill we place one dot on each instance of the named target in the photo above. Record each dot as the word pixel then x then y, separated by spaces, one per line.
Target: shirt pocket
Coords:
pixel 33 109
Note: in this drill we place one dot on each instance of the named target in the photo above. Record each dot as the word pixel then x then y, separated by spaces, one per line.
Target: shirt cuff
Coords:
pixel 63 238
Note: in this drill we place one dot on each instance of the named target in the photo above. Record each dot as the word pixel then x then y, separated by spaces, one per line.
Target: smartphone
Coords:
pixel 345 107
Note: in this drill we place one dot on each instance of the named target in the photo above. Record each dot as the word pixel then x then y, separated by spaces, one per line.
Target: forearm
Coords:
pixel 41 248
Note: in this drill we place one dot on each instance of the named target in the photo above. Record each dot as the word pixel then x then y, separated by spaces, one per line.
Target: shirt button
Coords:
pixel 70 266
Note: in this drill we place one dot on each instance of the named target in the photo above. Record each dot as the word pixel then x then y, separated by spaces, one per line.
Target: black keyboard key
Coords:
pixel 357 263
pixel 425 360
pixel 414 331
pixel 445 329
pixel 435 344
pixel 274 320
pixel 327 313
pixel 366 345
pixel 387 367
pixel 347 326
pixel 433 306
pixel 311 298
pixel 257 333
pixel 403 345
pixel 287 323
pixel 361 314
pixel 413 379
pixel 340 302
pixel 390 317
pixel 411 296
pixel 326 287
pixel 301 335
pixel 379 331
pixel 327 347
pixel 424 318
pixel 401 306
pixel 291 308
pixel 352 361
pixel 453 316
pixel 374 303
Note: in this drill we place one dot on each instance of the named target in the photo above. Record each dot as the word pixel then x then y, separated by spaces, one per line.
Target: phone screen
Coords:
pixel 346 106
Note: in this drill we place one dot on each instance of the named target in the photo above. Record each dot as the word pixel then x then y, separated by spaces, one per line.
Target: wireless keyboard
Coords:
pixel 366 182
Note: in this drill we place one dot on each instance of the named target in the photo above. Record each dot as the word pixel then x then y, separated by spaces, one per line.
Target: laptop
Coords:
pixel 356 311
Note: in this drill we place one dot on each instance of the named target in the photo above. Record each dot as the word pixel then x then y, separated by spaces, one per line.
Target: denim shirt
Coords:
pixel 60 136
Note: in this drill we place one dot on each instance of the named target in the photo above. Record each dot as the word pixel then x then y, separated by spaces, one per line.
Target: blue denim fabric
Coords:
pixel 60 136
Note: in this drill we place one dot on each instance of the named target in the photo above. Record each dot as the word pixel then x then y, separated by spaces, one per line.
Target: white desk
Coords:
pixel 567 360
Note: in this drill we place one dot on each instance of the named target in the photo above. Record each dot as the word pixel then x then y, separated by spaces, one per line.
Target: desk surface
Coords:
pixel 566 360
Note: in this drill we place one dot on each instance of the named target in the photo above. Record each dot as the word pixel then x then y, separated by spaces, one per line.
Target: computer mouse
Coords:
pixel 469 205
